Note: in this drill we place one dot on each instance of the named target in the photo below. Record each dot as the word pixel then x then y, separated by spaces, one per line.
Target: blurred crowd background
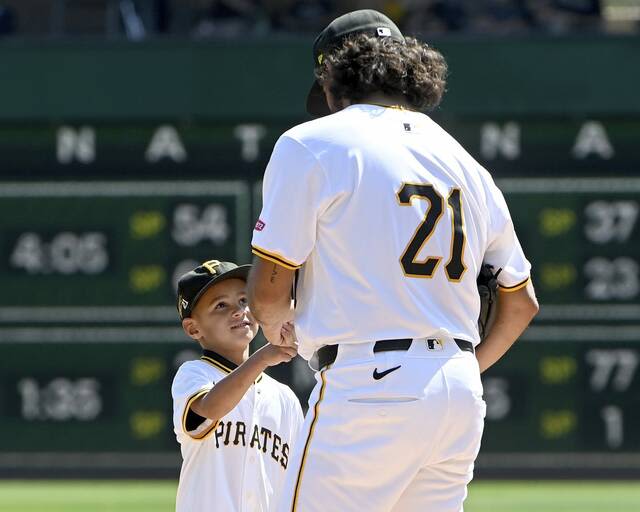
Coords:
pixel 138 19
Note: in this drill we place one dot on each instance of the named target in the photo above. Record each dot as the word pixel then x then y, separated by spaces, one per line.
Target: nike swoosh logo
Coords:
pixel 378 375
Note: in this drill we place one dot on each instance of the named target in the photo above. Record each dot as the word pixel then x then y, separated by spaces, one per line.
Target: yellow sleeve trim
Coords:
pixel 274 258
pixel 204 434
pixel 200 435
pixel 515 287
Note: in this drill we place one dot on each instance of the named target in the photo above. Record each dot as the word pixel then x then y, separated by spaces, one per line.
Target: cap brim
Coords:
pixel 241 272
pixel 317 102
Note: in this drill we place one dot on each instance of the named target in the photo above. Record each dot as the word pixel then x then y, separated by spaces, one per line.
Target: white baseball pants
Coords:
pixel 404 442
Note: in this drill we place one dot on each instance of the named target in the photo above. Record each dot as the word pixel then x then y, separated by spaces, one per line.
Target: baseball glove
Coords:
pixel 488 291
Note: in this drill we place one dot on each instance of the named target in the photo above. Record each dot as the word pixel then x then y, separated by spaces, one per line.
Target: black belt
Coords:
pixel 327 354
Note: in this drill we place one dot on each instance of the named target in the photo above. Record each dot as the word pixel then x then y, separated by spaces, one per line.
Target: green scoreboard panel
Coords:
pixel 89 338
pixel 566 398
pixel 112 251
pixel 84 394
pixel 512 146
pixel 91 394
pixel 96 398
pixel 583 238
pixel 97 221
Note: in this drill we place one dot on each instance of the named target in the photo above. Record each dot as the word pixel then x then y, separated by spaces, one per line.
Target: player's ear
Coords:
pixel 191 328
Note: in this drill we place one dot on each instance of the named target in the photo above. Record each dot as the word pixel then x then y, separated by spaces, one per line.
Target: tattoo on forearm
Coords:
pixel 274 273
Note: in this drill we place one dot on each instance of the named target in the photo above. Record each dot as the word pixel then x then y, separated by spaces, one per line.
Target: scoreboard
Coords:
pixel 522 146
pixel 89 336
pixel 103 245
pixel 563 398
pixel 104 248
pixel 582 235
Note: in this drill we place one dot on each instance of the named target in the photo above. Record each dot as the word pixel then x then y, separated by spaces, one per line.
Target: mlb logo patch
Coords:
pixel 383 31
pixel 184 304
pixel 434 344
pixel 259 225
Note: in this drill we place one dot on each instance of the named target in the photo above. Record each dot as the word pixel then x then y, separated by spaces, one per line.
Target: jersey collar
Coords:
pixel 218 361
pixel 222 363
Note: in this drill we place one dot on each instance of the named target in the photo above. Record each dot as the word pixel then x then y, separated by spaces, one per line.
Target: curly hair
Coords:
pixel 363 65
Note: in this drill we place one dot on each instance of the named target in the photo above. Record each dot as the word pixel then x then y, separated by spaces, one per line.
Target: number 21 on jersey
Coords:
pixel 455 266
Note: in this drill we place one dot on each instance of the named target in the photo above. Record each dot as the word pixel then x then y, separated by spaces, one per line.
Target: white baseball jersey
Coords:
pixel 238 463
pixel 389 220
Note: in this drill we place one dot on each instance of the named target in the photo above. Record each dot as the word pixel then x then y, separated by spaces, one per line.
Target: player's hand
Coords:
pixel 273 355
pixel 288 335
pixel 281 335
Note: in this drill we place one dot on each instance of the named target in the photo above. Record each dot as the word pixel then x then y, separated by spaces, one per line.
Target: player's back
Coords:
pixel 401 230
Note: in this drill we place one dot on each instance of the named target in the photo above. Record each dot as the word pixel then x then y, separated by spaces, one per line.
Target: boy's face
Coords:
pixel 221 320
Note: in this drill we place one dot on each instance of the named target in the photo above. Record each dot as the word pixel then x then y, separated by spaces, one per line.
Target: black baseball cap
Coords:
pixel 194 283
pixel 365 21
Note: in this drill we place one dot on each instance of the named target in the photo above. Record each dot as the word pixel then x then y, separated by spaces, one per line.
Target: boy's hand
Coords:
pixel 273 355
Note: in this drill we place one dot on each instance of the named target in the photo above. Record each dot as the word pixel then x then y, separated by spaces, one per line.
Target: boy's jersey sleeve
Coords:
pixel 504 251
pixel 295 191
pixel 190 383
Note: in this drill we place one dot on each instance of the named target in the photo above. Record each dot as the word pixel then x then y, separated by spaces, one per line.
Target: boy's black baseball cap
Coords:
pixel 365 21
pixel 194 283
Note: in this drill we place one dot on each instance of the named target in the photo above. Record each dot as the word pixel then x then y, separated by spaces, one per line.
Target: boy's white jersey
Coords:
pixel 237 464
pixel 392 212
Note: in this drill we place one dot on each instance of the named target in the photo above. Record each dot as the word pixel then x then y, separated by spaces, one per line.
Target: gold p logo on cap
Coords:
pixel 211 265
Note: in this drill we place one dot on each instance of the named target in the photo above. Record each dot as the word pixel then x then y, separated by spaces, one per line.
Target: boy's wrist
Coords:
pixel 260 357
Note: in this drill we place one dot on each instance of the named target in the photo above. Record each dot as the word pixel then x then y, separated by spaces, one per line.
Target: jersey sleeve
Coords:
pixel 295 191
pixel 504 251
pixel 189 384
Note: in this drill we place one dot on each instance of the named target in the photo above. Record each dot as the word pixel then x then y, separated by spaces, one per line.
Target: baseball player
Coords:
pixel 388 221
pixel 235 425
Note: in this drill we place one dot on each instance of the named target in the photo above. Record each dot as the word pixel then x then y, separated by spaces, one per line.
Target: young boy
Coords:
pixel 235 425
